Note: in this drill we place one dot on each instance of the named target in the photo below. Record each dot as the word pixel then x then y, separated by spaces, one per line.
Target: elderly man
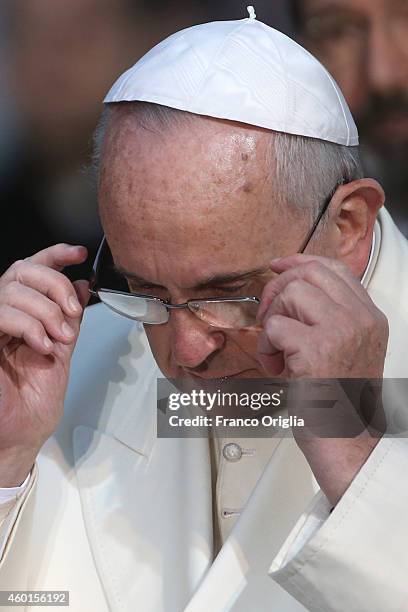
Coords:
pixel 224 153
pixel 364 45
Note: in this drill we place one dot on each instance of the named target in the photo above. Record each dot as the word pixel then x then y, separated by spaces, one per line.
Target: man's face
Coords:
pixel 192 213
pixel 364 44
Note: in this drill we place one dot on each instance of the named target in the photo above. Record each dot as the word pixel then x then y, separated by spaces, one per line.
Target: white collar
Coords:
pixel 363 278
pixel 375 247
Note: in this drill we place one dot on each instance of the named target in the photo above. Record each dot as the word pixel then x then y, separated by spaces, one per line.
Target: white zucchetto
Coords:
pixel 241 70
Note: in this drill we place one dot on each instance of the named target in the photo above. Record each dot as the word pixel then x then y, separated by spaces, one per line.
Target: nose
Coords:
pixel 192 340
pixel 387 61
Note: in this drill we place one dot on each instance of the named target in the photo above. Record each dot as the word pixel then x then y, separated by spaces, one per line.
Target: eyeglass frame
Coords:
pixel 93 289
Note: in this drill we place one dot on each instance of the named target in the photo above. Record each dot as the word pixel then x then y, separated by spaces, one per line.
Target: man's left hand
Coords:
pixel 319 322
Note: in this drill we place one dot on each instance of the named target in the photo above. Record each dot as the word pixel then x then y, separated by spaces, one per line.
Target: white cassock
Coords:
pixel 124 520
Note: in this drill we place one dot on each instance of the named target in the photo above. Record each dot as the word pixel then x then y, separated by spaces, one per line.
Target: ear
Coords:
pixel 355 207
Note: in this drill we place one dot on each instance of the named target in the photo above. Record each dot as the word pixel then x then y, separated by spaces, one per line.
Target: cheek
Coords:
pixel 159 341
pixel 242 347
pixel 245 341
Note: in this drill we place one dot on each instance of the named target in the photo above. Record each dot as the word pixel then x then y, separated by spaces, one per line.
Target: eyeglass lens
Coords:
pixel 223 314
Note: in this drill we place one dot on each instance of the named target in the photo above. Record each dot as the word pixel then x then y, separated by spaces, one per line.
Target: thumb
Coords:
pixel 64 351
pixel 270 358
pixel 273 365
pixel 82 290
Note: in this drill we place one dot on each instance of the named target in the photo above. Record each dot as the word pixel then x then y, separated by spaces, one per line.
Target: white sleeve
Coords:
pixel 9 498
pixel 356 557
pixel 309 523
pixel 11 502
pixel 8 494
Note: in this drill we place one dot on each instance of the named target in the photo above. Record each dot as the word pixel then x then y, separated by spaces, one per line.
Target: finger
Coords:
pixel 56 257
pixel 283 334
pixel 4 340
pixel 336 266
pixel 59 256
pixel 39 307
pixel 82 291
pixel 278 342
pixel 322 276
pixel 17 324
pixel 64 351
pixel 302 301
pixel 272 365
pixel 49 282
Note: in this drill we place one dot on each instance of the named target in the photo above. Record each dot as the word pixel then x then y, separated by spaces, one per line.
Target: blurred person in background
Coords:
pixel 364 45
pixel 58 59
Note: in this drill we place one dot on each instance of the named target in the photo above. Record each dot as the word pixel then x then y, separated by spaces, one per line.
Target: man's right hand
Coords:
pixel 40 316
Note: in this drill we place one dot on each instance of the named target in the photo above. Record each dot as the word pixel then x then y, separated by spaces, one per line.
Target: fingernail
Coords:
pixel 47 343
pixel 78 249
pixel 73 304
pixel 276 260
pixel 67 330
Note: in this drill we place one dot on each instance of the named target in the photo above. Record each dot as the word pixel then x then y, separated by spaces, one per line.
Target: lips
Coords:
pixel 213 376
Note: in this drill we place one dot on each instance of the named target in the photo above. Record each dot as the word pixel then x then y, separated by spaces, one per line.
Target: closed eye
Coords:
pixel 230 289
pixel 146 287
pixel 155 290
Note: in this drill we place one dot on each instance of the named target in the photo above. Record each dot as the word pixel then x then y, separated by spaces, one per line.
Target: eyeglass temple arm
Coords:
pixel 315 224
pixel 93 281
pixel 320 215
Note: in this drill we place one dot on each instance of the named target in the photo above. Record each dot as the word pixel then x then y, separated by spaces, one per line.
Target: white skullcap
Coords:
pixel 243 71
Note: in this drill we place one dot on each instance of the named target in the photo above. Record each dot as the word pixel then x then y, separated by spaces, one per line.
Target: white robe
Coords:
pixel 123 520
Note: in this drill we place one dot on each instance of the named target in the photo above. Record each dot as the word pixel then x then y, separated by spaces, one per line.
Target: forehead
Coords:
pixel 210 144
pixel 202 192
pixel 198 201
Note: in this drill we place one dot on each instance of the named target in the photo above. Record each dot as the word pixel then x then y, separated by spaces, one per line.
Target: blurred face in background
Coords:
pixel 64 56
pixel 364 44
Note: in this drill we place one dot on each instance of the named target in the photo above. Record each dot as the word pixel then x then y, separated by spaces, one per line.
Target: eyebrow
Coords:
pixel 207 283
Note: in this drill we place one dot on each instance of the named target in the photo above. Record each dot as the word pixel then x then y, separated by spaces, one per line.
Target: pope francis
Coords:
pixel 242 240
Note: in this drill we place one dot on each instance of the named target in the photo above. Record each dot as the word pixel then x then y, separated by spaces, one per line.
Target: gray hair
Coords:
pixel 306 170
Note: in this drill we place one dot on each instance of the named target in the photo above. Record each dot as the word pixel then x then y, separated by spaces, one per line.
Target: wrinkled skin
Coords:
pixel 184 206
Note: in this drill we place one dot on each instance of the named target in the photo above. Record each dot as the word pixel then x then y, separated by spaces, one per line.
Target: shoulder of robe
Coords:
pixel 111 362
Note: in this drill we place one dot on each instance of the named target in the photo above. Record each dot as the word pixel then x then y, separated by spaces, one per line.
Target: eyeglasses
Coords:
pixel 112 289
pixel 236 313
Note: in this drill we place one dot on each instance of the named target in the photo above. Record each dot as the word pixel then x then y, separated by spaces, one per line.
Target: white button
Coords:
pixel 227 513
pixel 232 452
